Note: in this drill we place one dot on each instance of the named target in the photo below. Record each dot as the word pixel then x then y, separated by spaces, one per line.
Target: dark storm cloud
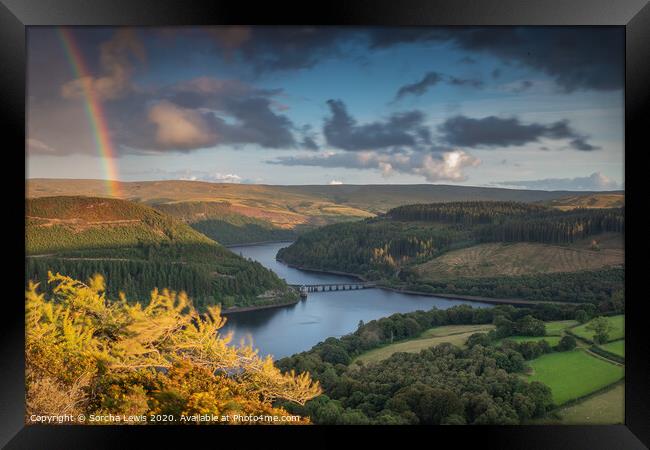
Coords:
pixel 472 82
pixel 420 87
pixel 494 131
pixel 308 141
pixel 467 60
pixel 198 113
pixel 576 58
pixel 341 130
pixel 256 123
pixel 270 49
pixel 431 79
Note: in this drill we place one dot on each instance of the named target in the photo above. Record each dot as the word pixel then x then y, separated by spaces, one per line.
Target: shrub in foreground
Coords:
pixel 86 354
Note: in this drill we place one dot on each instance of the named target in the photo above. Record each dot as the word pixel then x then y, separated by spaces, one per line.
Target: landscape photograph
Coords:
pixel 293 225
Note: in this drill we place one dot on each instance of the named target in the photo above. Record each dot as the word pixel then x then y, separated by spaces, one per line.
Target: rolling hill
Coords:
pixel 588 201
pixel 490 249
pixel 56 224
pixel 524 258
pixel 138 248
pixel 242 213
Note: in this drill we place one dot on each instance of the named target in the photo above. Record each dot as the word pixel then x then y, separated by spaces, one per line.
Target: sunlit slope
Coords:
pixel 55 224
pixel 597 200
pixel 511 259
pixel 276 204
pixel 305 201
pixel 230 224
pixel 244 213
pixel 381 198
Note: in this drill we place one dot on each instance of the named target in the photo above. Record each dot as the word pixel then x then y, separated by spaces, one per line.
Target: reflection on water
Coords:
pixel 292 329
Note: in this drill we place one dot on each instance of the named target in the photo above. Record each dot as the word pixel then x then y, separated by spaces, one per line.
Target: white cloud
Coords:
pixel 335 182
pixel 36 146
pixel 227 178
pixel 179 127
pixel 594 182
pixel 446 166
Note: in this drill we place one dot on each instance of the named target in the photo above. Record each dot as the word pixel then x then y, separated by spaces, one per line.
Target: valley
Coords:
pixel 373 351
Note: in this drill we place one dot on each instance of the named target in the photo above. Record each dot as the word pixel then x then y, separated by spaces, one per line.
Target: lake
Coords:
pixel 292 329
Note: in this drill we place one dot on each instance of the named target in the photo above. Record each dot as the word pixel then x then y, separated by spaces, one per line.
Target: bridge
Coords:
pixel 328 287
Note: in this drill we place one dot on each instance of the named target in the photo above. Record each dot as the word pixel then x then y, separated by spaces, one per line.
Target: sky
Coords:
pixel 527 107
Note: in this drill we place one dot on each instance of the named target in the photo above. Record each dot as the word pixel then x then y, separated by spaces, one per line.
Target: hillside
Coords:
pixel 597 200
pixel 241 213
pixel 56 224
pixel 380 198
pixel 230 224
pixel 511 259
pixel 138 248
pixel 450 247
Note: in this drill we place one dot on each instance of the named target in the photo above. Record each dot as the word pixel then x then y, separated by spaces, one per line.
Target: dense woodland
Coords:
pixel 595 286
pixel 385 248
pixel 516 222
pixel 440 385
pixel 230 282
pixel 137 249
pixel 372 247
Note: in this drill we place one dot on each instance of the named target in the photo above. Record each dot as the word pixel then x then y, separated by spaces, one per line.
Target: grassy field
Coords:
pixel 501 259
pixel 616 347
pixel 617 332
pixel 453 334
pixel 573 374
pixel 556 328
pixel 604 408
pixel 552 340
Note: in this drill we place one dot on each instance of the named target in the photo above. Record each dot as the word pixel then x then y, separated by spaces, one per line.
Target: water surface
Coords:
pixel 292 329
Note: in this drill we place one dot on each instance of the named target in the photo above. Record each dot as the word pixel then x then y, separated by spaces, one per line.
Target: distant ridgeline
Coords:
pixel 395 246
pixel 138 248
pixel 218 221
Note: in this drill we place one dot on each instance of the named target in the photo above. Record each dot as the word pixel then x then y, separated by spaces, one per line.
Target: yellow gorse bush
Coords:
pixel 88 354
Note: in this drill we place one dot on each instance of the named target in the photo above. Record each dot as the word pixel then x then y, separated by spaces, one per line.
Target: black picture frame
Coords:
pixel 16 15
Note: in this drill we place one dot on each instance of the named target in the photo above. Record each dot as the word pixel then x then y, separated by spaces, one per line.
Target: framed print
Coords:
pixel 360 217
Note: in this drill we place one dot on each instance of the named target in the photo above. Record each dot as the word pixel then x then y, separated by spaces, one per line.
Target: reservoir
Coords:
pixel 292 329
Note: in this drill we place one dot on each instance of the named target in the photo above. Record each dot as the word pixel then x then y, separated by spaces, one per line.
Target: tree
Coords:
pixel 478 339
pixel 566 343
pixel 504 326
pixel 86 354
pixel 529 326
pixel 618 301
pixel 601 328
pixel 582 316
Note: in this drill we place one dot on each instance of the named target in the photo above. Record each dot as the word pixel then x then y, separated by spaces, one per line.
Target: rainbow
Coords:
pixel 94 111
